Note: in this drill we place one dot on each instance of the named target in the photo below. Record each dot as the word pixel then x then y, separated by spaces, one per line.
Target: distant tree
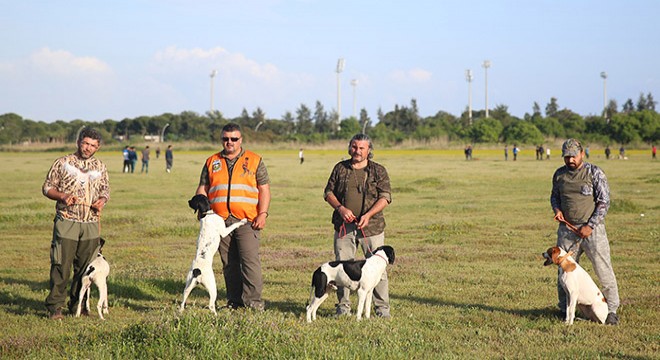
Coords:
pixel 304 123
pixel 649 125
pixel 321 119
pixel 549 126
pixel 572 123
pixel 650 102
pixel 485 130
pixel 611 109
pixel 536 110
pixel 628 106
pixel 349 127
pixel 641 102
pixel 624 129
pixel 522 132
pixel 552 108
pixel 289 121
pixel 365 121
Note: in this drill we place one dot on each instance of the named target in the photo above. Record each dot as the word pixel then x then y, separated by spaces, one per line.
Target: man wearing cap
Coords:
pixel 581 196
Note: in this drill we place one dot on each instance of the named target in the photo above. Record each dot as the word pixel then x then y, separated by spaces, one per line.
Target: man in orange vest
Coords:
pixel 236 182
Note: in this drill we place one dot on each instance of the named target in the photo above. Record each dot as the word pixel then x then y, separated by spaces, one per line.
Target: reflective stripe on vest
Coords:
pixel 239 195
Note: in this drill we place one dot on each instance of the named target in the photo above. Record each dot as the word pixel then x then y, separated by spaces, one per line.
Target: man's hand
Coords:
pixel 260 221
pixel 559 216
pixel 346 214
pixel 69 199
pixel 585 231
pixel 99 204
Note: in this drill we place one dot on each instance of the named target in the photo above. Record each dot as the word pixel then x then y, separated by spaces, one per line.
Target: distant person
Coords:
pixel 586 152
pixel 127 160
pixel 608 152
pixel 547 153
pixel 79 184
pixel 653 152
pixel 541 152
pixel 506 152
pixel 301 156
pixel 538 150
pixel 145 159
pixel 132 157
pixel 237 184
pixel 581 196
pixel 622 152
pixel 515 152
pixel 157 152
pixel 169 158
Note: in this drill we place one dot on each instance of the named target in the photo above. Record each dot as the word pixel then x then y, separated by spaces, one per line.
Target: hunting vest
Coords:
pixel 237 193
pixel 577 195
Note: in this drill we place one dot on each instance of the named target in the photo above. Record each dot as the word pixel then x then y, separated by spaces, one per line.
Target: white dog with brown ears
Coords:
pixel 581 291
pixel 360 275
pixel 211 229
pixel 96 272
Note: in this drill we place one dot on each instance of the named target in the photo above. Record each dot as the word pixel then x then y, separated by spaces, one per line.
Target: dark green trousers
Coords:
pixel 74 244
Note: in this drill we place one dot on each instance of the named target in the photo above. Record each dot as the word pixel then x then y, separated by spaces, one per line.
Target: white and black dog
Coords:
pixel 96 272
pixel 211 229
pixel 581 290
pixel 360 275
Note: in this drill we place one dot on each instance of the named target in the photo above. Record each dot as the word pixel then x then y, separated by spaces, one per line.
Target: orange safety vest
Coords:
pixel 238 195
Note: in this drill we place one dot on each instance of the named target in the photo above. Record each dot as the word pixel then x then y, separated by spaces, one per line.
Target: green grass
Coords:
pixel 468 282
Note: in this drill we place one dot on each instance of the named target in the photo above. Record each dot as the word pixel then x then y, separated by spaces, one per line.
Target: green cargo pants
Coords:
pixel 74 244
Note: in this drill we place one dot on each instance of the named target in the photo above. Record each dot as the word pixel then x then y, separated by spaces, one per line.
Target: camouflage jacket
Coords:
pixel 85 179
pixel 377 186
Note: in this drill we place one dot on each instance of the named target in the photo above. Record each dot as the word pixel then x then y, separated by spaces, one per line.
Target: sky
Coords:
pixel 96 60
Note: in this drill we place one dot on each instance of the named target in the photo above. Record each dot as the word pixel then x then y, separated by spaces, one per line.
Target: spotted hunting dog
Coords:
pixel 96 272
pixel 212 228
pixel 360 275
pixel 581 291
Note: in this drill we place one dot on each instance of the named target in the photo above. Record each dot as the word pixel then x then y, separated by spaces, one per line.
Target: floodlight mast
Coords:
pixel 354 83
pixel 486 65
pixel 213 74
pixel 603 74
pixel 469 77
pixel 340 68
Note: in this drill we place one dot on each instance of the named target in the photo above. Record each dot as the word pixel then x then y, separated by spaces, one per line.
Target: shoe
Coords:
pixel 383 313
pixel 233 306
pixel 612 319
pixel 56 315
pixel 343 310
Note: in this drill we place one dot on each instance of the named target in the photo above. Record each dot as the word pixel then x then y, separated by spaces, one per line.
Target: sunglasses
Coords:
pixel 233 139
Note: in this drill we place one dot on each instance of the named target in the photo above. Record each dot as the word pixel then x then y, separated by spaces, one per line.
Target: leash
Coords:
pixel 342 229
pixel 574 229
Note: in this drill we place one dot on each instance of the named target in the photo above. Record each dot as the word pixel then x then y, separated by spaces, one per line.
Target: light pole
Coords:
pixel 603 74
pixel 340 68
pixel 354 83
pixel 213 74
pixel 486 65
pixel 162 133
pixel 469 77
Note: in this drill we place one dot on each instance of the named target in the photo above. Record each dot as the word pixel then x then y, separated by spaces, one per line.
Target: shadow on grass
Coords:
pixel 532 314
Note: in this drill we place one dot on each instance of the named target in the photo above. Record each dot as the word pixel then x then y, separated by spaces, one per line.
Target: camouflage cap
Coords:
pixel 571 147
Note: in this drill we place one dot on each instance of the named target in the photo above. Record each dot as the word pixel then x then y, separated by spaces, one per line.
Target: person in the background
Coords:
pixel 80 186
pixel 127 160
pixel 506 152
pixel 653 152
pixel 237 184
pixel 581 195
pixel 145 159
pixel 608 152
pixel 301 156
pixel 169 158
pixel 157 152
pixel 515 152
pixel 132 156
pixel 358 190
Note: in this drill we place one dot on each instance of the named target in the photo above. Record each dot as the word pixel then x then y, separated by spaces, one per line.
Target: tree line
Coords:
pixel 636 122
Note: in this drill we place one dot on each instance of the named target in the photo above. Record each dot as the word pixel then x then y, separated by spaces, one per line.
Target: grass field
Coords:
pixel 468 282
